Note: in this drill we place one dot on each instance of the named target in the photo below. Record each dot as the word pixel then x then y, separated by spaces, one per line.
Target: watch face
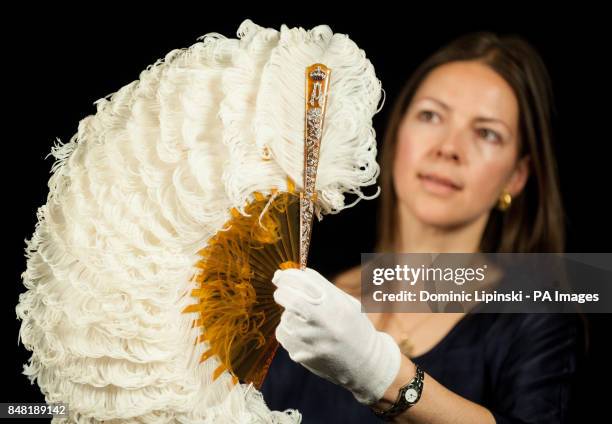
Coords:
pixel 411 395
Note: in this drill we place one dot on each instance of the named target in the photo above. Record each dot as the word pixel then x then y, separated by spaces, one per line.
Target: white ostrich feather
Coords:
pixel 144 184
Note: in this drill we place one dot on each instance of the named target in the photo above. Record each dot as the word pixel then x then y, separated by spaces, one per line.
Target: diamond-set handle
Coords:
pixel 317 85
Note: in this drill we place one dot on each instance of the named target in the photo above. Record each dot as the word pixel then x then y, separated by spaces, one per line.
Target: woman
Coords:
pixel 467 166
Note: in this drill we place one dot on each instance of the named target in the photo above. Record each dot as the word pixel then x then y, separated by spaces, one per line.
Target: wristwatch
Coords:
pixel 409 394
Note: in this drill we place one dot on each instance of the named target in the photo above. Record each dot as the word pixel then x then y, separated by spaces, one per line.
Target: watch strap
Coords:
pixel 408 395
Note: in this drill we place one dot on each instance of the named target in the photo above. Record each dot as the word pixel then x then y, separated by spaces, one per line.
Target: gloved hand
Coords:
pixel 323 328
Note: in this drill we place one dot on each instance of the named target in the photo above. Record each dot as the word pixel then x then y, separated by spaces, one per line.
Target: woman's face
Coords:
pixel 457 145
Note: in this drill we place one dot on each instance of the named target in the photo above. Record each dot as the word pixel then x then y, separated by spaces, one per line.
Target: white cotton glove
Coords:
pixel 323 328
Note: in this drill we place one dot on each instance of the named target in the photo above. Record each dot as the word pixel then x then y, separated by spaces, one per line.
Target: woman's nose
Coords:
pixel 449 148
pixel 451 145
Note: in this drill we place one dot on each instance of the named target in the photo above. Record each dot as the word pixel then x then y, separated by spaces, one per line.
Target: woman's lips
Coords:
pixel 437 184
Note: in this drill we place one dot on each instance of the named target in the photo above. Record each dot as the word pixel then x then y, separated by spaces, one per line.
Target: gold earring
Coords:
pixel 504 201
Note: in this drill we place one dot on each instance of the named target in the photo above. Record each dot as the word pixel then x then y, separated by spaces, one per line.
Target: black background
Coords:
pixel 59 63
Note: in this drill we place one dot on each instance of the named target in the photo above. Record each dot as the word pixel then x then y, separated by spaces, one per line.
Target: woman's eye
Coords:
pixel 427 115
pixel 489 135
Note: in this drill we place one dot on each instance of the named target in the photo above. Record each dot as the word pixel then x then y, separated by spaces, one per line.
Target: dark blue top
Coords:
pixel 519 366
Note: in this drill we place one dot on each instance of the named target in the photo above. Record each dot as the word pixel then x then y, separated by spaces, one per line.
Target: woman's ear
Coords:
pixel 519 176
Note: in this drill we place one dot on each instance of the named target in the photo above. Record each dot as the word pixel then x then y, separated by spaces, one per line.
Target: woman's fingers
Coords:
pixel 292 301
pixel 287 335
pixel 304 284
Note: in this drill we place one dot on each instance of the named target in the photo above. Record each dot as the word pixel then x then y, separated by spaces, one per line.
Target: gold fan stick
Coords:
pixel 317 84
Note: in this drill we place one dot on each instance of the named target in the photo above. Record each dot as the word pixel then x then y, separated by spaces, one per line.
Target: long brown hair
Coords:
pixel 535 220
